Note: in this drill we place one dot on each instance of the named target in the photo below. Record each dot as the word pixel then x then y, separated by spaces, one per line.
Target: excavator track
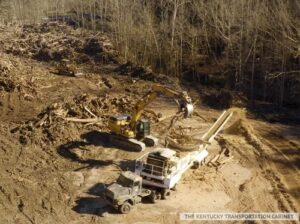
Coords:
pixel 126 143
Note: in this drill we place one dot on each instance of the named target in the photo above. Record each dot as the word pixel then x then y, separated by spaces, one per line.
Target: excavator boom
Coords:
pixel 185 102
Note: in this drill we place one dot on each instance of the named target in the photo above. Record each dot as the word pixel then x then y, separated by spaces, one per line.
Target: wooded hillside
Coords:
pixel 252 46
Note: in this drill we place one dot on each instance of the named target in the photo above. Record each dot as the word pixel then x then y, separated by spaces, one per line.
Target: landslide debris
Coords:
pixel 55 41
pixel 64 120
pixel 145 73
pixel 10 80
pixel 54 123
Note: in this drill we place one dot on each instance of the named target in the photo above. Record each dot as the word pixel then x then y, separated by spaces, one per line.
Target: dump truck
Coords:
pixel 158 172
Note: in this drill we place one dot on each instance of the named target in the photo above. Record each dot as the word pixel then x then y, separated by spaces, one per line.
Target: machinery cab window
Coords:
pixel 143 128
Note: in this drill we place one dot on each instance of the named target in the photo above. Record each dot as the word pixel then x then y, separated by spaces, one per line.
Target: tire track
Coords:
pixel 271 170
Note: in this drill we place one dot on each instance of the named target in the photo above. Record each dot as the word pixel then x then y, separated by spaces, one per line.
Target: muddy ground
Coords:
pixel 53 169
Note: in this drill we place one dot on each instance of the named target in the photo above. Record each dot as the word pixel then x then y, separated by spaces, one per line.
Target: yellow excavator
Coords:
pixel 133 132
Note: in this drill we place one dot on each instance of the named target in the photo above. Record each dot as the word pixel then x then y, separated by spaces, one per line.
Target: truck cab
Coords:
pixel 125 192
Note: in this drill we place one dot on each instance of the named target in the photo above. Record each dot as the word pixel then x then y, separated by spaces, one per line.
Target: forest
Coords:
pixel 246 46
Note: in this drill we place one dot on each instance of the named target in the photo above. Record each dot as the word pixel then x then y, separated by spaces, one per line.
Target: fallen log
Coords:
pixel 88 120
pixel 226 160
pixel 90 112
pixel 42 121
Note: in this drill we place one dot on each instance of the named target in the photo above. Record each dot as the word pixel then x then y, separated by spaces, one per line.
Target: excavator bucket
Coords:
pixel 188 110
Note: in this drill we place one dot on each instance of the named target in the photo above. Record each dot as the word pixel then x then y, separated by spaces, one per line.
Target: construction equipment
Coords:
pixel 157 172
pixel 126 192
pixel 132 132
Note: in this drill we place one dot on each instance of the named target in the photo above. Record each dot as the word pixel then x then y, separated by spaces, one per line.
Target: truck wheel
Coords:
pixel 125 208
pixel 196 165
pixel 158 196
pixel 165 193
pixel 154 196
pixel 174 188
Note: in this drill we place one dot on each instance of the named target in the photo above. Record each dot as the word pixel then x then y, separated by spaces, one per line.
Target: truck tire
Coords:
pixel 125 208
pixel 158 196
pixel 154 196
pixel 165 193
pixel 174 188
pixel 196 165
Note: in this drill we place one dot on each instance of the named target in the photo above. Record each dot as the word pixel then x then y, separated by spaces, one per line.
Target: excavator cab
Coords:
pixel 143 128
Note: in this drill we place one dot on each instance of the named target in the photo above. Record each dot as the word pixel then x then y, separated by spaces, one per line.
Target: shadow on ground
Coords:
pixel 274 114
pixel 92 138
pixel 94 204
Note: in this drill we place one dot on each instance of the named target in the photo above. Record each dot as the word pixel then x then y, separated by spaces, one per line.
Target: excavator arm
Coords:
pixel 184 99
